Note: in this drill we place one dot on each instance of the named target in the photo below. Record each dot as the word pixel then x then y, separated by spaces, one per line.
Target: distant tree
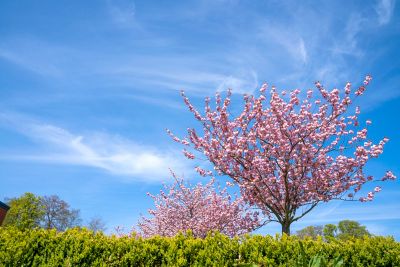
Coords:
pixel 330 230
pixel 200 209
pixel 58 214
pixel 30 211
pixel 310 231
pixel 344 230
pixel 25 211
pixel 96 224
pixel 348 228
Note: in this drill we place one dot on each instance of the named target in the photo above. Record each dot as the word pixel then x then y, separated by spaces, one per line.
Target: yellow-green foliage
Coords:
pixel 80 247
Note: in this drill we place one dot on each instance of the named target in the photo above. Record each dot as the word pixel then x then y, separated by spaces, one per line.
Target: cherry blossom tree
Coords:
pixel 288 152
pixel 200 209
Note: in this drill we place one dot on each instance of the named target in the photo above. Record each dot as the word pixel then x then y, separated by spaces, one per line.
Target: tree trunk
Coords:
pixel 286 227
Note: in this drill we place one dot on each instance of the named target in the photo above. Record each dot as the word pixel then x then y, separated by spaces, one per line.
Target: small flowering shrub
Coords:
pixel 201 209
pixel 81 247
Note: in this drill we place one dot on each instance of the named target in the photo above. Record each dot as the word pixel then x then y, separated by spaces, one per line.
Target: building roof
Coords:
pixel 4 206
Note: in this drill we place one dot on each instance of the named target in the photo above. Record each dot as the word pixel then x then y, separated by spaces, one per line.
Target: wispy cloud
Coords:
pixel 246 83
pixel 303 51
pixel 348 45
pixel 291 41
pixel 368 212
pixel 122 13
pixel 160 102
pixel 291 52
pixel 384 9
pixel 177 73
pixel 29 62
pixel 114 154
pixel 162 72
pixel 49 60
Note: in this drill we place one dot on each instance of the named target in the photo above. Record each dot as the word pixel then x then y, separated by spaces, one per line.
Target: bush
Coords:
pixel 81 247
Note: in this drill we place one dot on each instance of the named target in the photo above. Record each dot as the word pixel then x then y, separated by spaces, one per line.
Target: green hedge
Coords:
pixel 80 247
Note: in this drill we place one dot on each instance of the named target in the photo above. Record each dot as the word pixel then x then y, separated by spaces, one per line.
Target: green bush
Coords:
pixel 80 247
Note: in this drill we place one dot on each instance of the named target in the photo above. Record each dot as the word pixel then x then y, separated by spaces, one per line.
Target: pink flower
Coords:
pixel 389 175
pixel 188 154
pixel 185 142
pixel 263 88
pixel 202 172
pixel 377 189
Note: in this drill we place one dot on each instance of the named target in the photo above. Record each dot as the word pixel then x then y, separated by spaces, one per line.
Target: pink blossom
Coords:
pixel 377 189
pixel 202 172
pixel 188 154
pixel 389 175
pixel 263 88
pixel 229 184
pixel 185 142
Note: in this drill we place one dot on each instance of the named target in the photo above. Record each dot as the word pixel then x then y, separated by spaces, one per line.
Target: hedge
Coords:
pixel 81 247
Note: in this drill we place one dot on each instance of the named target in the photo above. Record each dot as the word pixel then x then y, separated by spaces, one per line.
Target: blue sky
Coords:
pixel 87 89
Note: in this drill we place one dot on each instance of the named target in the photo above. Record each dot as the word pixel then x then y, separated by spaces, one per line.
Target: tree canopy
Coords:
pixel 26 211
pixel 58 214
pixel 288 153
pixel 200 208
pixel 30 211
pixel 96 224
pixel 344 230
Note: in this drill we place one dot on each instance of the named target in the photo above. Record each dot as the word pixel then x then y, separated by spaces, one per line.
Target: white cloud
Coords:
pixel 159 101
pixel 338 210
pixel 348 45
pixel 287 39
pixel 245 82
pixel 30 62
pixel 292 53
pixel 370 214
pixel 117 155
pixel 188 79
pixel 302 50
pixel 171 72
pixel 384 9
pixel 122 13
